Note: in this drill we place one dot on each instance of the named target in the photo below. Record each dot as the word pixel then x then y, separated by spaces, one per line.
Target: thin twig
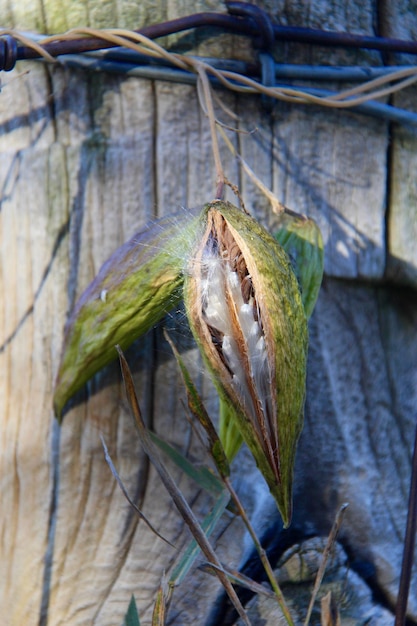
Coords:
pixel 277 206
pixel 208 101
pixel 409 543
pixel 240 579
pixel 176 495
pixel 262 554
pixel 234 81
pixel 326 553
pixel 237 193
pixel 126 495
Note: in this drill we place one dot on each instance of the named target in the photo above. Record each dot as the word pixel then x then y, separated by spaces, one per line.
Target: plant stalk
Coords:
pixel 176 495
pixel 409 543
pixel 220 182
pixel 262 554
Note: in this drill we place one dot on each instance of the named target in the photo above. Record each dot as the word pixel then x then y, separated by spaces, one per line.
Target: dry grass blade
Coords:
pixel 326 553
pixel 27 41
pixel 197 408
pixel 279 596
pixel 329 612
pixel 208 106
pixel 239 579
pixel 277 206
pixel 176 495
pixel 126 495
pixel 160 607
pixel 220 459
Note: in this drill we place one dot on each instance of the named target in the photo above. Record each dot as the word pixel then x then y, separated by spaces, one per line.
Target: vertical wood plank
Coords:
pixel 85 161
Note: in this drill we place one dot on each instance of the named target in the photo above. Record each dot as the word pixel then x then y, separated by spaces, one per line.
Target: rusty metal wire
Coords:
pixel 242 18
pixel 146 58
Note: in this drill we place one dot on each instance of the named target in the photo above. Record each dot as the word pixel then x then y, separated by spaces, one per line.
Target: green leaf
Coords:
pixel 182 505
pixel 186 560
pixel 198 409
pixel 201 475
pixel 230 433
pixel 132 616
pixel 302 241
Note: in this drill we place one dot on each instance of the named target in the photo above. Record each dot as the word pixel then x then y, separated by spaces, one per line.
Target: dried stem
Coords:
pixel 176 495
pixel 262 554
pixel 409 543
pixel 329 545
pixel 126 495
pixel 375 88
pixel 277 206
pixel 220 182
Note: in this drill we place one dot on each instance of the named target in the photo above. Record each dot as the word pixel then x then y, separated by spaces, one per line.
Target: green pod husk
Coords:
pixel 244 307
pixel 133 290
pixel 301 238
pixel 229 430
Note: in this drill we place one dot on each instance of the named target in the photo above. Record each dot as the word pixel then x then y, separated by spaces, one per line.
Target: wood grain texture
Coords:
pixel 86 160
pixel 402 224
pixel 399 20
pixel 367 424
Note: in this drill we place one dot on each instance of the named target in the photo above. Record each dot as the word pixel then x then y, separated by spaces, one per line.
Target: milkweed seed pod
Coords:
pixel 133 290
pixel 301 238
pixel 245 311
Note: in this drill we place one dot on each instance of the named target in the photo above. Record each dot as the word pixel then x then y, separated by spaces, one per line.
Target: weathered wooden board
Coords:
pixel 85 161
pixel 399 20
pixel 367 423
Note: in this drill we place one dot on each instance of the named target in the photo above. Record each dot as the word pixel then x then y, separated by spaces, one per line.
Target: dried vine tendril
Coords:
pixel 376 88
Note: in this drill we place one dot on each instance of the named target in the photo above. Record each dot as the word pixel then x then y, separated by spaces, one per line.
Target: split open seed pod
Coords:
pixel 301 238
pixel 244 307
pixel 133 290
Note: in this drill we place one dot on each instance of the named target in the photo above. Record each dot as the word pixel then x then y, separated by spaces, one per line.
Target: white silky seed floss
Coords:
pixel 218 278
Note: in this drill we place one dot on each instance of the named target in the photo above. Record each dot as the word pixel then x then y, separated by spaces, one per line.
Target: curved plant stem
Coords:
pixel 103 38
pixel 277 206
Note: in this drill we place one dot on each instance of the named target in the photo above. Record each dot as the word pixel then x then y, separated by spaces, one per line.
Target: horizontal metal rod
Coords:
pixel 126 55
pixel 238 25
pixel 334 73
pixel 344 40
pixel 371 107
pixel 90 62
pixel 282 70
